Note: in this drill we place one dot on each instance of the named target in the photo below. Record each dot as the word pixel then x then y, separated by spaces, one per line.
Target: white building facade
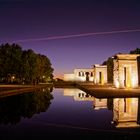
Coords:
pixel 97 75
pixel 81 75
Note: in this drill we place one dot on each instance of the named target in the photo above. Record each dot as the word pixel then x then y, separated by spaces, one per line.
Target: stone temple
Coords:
pixel 97 75
pixel 80 75
pixel 126 71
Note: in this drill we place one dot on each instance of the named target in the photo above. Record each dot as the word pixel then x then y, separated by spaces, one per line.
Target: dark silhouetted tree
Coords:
pixel 136 51
pixel 24 65
pixel 10 61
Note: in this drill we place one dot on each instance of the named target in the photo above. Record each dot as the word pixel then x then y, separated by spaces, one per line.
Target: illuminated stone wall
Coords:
pixel 125 71
pixel 100 74
pixel 97 75
pixel 81 75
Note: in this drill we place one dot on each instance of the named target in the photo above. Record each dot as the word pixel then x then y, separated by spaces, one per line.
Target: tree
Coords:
pixel 10 61
pixel 44 68
pixel 136 51
pixel 23 65
pixel 29 59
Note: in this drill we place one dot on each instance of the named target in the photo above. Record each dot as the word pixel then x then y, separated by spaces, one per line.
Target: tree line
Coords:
pixel 23 66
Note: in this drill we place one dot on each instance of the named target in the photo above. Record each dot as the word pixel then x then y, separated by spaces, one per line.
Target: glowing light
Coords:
pixel 117 84
pixel 13 77
pixel 82 79
pixel 128 86
pixel 102 79
pixel 133 81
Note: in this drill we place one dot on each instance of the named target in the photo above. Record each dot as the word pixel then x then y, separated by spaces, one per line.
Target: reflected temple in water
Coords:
pixel 126 111
pixel 68 111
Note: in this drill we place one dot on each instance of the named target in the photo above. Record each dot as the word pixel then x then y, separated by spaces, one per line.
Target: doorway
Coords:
pixel 100 77
pixel 124 76
pixel 87 76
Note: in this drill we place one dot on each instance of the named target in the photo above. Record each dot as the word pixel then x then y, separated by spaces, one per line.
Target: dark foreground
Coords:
pixel 67 132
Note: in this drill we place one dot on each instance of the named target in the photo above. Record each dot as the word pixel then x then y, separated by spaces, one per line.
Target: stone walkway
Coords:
pixel 100 91
pixel 9 90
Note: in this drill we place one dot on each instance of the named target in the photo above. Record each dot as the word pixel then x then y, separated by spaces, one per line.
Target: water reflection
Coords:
pixel 126 111
pixel 79 95
pixel 13 108
pixel 100 103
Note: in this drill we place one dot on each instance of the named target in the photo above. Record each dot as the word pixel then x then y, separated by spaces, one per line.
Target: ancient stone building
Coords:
pixel 100 74
pixel 97 75
pixel 81 75
pixel 125 71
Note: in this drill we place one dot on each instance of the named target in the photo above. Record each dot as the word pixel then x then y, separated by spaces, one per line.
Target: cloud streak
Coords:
pixel 75 35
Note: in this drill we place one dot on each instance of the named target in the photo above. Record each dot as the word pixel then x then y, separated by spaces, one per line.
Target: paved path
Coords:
pixel 9 90
pixel 107 91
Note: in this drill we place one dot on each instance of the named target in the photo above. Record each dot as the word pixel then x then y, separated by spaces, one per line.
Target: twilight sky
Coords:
pixel 45 26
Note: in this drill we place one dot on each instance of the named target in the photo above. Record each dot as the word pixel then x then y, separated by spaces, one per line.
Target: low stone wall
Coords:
pixel 9 90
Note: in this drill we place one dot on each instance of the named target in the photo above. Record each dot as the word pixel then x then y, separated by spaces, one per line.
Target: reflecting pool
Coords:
pixel 69 111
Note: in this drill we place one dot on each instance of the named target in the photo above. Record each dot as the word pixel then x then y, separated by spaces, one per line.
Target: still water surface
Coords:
pixel 67 112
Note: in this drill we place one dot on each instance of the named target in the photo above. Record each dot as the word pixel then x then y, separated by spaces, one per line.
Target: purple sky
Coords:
pixel 35 19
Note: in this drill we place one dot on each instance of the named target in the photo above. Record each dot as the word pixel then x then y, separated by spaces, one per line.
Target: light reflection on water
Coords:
pixel 48 111
pixel 125 111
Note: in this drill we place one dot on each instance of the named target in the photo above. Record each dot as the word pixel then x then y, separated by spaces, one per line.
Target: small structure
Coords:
pixel 125 71
pixel 97 75
pixel 80 75
pixel 83 75
pixel 100 74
